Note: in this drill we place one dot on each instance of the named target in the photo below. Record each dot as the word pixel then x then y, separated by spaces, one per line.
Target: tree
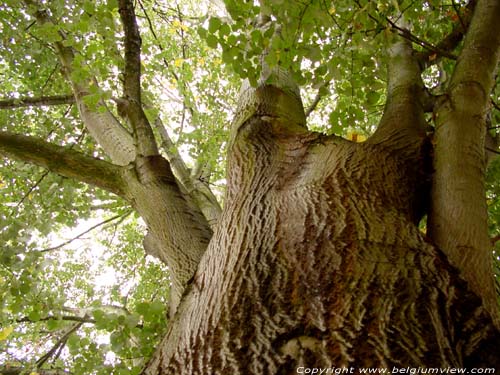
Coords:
pixel 348 237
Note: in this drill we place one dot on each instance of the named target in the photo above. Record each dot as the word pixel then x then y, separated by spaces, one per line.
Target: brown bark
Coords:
pixel 317 261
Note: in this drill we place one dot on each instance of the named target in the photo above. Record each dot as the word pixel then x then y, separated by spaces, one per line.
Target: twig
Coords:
pixel 69 318
pixel 316 100
pixel 123 216
pixel 44 174
pixel 59 343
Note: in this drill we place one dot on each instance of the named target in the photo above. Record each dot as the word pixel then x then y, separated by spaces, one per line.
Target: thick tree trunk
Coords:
pixel 318 261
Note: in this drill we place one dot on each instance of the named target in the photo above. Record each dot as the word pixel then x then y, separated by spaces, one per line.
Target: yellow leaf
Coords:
pixel 34 373
pixel 355 137
pixel 178 62
pixel 332 10
pixel 4 333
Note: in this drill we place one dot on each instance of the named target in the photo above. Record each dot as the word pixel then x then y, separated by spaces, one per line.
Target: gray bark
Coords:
pixel 318 261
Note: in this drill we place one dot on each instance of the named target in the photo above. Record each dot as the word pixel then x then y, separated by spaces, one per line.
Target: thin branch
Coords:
pixel 37 102
pixel 316 100
pixel 145 141
pixel 443 49
pixel 69 318
pixel 451 41
pixel 415 39
pixel 63 161
pixel 160 46
pixel 183 87
pixel 59 343
pixel 492 150
pixel 32 188
pixel 121 216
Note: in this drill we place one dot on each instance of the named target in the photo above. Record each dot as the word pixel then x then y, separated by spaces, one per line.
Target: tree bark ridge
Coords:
pixel 317 262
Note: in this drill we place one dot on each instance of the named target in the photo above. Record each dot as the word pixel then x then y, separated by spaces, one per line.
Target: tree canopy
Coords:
pixel 78 292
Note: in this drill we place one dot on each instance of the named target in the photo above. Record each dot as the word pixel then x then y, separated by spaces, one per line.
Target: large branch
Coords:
pixel 458 222
pixel 62 160
pixel 145 141
pixel 116 142
pixel 36 102
pixel 403 123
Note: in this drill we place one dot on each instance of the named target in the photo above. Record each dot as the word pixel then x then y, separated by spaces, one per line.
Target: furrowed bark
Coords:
pixel 402 128
pixel 316 262
pixel 458 218
pixel 63 161
pixel 114 139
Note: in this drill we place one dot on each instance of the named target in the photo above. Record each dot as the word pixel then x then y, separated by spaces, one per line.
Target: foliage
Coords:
pixel 194 56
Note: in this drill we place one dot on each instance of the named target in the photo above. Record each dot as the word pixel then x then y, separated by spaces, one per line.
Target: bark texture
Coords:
pixel 458 218
pixel 317 261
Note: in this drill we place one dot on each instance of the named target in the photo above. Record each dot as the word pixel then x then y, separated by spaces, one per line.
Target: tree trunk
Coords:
pixel 317 260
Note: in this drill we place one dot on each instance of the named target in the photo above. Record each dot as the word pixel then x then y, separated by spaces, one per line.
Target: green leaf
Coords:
pixel 224 30
pixel 213 24
pixel 212 41
pixel 372 97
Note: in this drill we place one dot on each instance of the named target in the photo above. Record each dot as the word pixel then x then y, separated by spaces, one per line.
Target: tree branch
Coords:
pixel 451 41
pixel 145 141
pixel 36 102
pixel 121 216
pixel 316 100
pixel 18 370
pixel 63 161
pixel 403 121
pixel 199 192
pixel 103 126
pixel 415 39
pixel 61 342
pixel 458 221
pixel 68 318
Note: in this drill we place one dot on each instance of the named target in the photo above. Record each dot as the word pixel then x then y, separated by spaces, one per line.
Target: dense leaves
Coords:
pixel 95 304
